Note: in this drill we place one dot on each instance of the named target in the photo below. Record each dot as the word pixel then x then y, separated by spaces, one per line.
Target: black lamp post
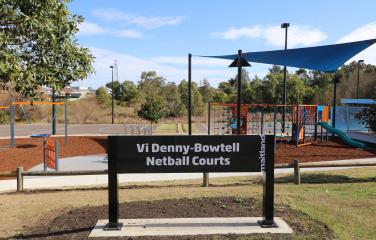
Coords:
pixel 112 94
pixel 285 26
pixel 357 84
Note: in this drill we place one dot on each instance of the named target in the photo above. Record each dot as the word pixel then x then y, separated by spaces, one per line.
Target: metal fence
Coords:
pixel 20 174
pixel 346 121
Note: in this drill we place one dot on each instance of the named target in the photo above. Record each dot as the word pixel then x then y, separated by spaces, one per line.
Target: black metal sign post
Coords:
pixel 113 197
pixel 183 154
pixel 268 185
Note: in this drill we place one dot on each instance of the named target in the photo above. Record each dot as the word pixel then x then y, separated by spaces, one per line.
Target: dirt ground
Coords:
pixel 77 223
pixel 29 152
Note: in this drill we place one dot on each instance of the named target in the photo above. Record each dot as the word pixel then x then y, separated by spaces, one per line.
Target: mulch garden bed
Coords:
pixel 29 151
pixel 78 223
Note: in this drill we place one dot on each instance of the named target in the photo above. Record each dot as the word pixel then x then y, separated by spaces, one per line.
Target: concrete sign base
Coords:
pixel 188 226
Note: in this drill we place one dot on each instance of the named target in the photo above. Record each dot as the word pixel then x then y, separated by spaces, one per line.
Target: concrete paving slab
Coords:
pixel 79 163
pixel 362 136
pixel 188 227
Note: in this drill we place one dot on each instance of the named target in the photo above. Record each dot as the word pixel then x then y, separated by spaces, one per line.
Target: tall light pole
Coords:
pixel 112 94
pixel 285 26
pixel 357 84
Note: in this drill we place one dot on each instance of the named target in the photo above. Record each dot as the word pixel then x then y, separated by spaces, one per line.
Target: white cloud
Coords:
pixel 207 62
pixel 235 33
pixel 129 34
pixel 298 35
pixel 147 22
pixel 367 31
pixel 130 68
pixel 87 28
pixel 156 22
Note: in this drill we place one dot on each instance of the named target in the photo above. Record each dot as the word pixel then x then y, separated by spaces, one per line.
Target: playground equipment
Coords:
pixel 50 151
pixel 346 138
pixel 13 104
pixel 300 124
pixel 304 127
pixel 224 118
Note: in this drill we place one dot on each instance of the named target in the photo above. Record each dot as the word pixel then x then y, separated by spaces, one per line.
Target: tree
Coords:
pixel 198 107
pixel 128 91
pixel 207 92
pixel 150 83
pixel 226 87
pixel 245 79
pixel 115 89
pixel 102 96
pixel 368 117
pixel 296 90
pixel 174 105
pixel 38 47
pixel 220 97
pixel 257 87
pixel 153 109
pixel 276 69
pixel 123 92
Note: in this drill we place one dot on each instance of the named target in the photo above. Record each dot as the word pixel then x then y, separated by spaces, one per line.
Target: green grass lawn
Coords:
pixel 172 128
pixel 185 128
pixel 345 201
pixel 165 128
pixel 347 204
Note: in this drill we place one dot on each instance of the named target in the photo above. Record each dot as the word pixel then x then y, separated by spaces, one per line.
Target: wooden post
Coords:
pixel 296 171
pixel 19 179
pixel 206 179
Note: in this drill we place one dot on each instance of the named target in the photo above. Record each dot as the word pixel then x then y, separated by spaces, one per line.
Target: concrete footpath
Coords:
pixel 99 162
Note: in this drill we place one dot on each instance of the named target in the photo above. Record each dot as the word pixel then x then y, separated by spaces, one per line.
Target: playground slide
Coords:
pixel 346 138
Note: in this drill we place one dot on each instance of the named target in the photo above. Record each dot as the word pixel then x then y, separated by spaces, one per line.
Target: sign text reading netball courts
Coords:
pixel 161 154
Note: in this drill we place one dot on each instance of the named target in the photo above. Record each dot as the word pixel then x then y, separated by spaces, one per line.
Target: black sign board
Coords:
pixel 174 154
pixel 183 154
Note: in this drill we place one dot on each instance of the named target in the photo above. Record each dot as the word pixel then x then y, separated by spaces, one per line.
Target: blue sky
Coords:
pixel 157 35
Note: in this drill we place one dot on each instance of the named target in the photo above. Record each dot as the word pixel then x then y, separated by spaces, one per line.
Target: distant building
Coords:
pixel 71 93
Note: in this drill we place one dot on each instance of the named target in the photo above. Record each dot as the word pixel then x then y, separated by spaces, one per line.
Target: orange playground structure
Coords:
pixel 297 124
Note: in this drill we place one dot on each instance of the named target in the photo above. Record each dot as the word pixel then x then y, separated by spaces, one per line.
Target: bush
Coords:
pixel 153 109
pixel 3 117
pixel 103 97
pixel 368 117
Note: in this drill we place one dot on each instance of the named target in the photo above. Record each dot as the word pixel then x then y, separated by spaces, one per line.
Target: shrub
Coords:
pixel 103 97
pixel 153 109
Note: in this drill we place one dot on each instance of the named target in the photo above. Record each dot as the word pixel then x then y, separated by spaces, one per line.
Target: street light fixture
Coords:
pixel 285 26
pixel 357 84
pixel 112 94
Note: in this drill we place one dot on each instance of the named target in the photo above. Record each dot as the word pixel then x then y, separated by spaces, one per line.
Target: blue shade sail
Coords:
pixel 326 58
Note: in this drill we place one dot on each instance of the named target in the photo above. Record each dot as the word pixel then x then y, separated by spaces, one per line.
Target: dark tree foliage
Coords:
pixel 153 109
pixel 368 117
pixel 38 46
